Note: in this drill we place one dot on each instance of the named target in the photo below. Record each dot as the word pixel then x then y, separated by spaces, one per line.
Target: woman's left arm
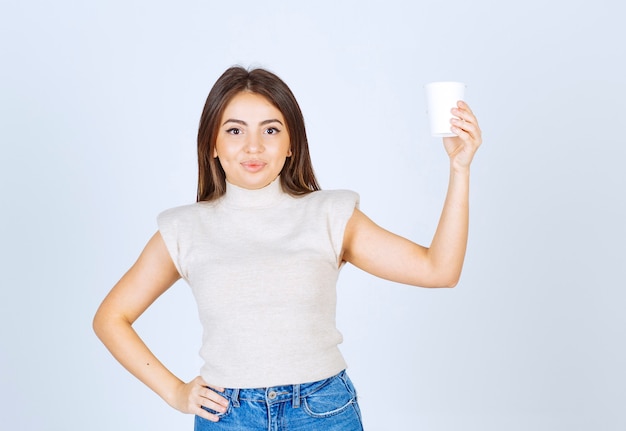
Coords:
pixel 386 255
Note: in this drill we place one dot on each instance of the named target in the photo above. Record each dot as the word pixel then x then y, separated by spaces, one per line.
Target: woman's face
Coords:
pixel 252 142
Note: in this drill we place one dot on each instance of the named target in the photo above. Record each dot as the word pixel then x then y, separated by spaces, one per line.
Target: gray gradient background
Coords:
pixel 99 105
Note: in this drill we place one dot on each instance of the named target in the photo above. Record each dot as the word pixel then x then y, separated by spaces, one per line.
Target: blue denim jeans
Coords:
pixel 327 405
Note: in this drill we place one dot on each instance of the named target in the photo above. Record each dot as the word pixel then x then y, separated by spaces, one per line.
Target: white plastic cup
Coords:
pixel 441 98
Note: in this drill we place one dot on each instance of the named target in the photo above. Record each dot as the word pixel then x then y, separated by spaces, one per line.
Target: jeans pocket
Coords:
pixel 216 413
pixel 331 399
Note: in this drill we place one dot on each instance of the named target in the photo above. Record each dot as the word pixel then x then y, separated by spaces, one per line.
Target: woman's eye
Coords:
pixel 233 131
pixel 272 131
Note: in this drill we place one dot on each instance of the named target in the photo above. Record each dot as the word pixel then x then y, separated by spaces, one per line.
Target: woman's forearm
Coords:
pixel 447 250
pixel 128 348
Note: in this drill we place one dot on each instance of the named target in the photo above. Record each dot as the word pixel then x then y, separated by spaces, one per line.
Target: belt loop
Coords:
pixel 235 397
pixel 295 402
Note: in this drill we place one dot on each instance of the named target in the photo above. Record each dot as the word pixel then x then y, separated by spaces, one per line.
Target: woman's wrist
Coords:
pixel 460 171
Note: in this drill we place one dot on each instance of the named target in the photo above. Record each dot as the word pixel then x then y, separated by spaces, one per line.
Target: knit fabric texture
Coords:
pixel 263 267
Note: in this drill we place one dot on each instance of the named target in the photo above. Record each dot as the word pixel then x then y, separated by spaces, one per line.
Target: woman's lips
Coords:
pixel 253 165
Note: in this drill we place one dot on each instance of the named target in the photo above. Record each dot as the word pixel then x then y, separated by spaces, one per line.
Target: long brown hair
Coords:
pixel 297 176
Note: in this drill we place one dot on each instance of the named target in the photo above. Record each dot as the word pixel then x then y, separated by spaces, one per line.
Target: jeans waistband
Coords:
pixel 277 394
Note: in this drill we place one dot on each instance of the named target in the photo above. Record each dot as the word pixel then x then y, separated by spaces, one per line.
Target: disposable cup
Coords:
pixel 441 98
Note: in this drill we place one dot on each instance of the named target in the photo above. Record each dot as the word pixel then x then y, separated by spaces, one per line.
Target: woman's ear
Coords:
pixel 289 152
pixel 215 153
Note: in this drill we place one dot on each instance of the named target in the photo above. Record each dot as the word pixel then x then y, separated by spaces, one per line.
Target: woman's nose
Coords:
pixel 254 144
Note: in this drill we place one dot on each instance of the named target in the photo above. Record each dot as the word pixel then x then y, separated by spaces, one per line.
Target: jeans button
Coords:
pixel 271 395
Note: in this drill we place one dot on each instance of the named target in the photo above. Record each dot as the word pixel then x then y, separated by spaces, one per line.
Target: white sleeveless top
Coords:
pixel 263 267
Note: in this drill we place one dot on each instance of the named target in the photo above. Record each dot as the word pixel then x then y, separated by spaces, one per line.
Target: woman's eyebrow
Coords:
pixel 232 120
pixel 273 120
pixel 262 123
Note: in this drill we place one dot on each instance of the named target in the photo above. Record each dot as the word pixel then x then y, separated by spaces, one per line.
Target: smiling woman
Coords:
pixel 261 250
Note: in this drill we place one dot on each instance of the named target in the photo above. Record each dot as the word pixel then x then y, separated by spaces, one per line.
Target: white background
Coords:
pixel 99 106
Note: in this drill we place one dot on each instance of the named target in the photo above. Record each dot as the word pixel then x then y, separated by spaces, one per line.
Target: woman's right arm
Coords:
pixel 152 274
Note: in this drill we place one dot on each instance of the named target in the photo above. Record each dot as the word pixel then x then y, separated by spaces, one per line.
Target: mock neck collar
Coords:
pixel 239 197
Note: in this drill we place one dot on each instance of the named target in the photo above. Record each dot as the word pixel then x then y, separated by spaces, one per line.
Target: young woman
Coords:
pixel 261 249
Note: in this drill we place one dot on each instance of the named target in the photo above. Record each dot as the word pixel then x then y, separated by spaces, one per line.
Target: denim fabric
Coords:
pixel 327 405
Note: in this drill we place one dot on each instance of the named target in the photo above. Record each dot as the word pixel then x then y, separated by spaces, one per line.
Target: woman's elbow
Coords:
pixel 448 284
pixel 444 280
pixel 98 324
pixel 451 283
pixel 103 322
pixel 451 279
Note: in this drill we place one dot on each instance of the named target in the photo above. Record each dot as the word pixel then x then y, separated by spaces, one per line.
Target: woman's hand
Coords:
pixel 191 397
pixel 461 148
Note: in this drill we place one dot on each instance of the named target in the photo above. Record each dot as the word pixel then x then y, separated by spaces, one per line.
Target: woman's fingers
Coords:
pixel 206 402
pixel 208 396
pixel 198 394
pixel 462 147
pixel 466 122
pixel 199 411
pixel 464 112
pixel 465 129
pixel 213 400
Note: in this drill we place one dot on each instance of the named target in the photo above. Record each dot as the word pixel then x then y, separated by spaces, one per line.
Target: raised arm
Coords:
pixel 152 274
pixel 389 256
